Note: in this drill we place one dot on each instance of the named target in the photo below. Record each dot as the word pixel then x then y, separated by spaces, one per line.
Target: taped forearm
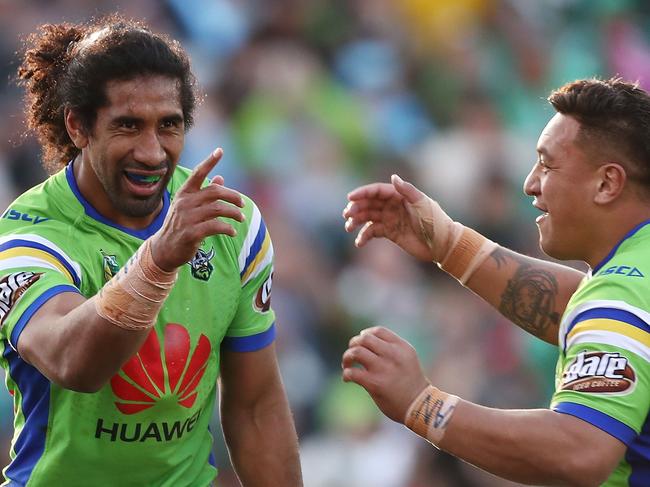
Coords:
pixel 134 296
pixel 429 414
pixel 457 249
pixel 467 253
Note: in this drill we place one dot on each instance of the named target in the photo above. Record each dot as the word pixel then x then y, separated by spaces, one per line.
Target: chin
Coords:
pixel 136 208
pixel 557 252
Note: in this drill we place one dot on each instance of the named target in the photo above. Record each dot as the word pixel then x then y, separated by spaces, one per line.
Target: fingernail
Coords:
pixel 215 153
pixel 397 178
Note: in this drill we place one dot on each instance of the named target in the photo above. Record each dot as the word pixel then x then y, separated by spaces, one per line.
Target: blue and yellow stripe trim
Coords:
pixel 609 319
pixel 257 252
pixel 21 247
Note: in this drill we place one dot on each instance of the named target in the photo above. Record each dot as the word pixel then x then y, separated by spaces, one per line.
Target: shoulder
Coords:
pixel 50 201
pixel 626 277
pixel 47 247
pixel 627 267
pixel 37 229
pixel 610 307
pixel 252 244
pixel 624 296
pixel 615 299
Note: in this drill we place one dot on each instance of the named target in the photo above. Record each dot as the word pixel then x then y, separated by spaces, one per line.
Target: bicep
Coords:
pixel 37 335
pixel 530 292
pixel 246 377
pixel 602 450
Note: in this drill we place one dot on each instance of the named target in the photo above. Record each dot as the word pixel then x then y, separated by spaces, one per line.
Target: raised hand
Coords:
pixel 386 366
pixel 401 213
pixel 194 214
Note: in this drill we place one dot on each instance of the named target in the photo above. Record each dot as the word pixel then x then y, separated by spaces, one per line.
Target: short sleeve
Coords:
pixel 253 325
pixel 32 271
pixel 605 376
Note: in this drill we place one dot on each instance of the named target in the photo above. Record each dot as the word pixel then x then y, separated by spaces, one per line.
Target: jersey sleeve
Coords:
pixel 604 368
pixel 32 270
pixel 253 325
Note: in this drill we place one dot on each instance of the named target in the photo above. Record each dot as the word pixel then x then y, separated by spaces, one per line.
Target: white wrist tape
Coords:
pixel 429 414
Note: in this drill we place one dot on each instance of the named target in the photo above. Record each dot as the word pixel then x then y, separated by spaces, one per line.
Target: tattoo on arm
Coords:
pixel 499 255
pixel 529 298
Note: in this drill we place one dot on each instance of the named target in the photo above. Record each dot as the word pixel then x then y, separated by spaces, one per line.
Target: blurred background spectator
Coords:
pixel 310 98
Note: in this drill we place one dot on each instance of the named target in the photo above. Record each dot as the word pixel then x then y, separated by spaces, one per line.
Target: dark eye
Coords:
pixel 170 124
pixel 128 124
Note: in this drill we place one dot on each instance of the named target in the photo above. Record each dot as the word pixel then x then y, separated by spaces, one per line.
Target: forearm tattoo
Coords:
pixel 530 295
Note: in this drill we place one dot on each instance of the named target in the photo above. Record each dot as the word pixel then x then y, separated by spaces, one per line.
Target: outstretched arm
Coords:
pixel 530 292
pixel 256 420
pixel 537 446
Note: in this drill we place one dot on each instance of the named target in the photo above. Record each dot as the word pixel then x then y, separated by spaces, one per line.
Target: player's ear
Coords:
pixel 76 130
pixel 611 181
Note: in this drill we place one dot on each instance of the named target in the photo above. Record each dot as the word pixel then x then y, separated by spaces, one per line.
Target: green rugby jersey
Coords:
pixel 149 425
pixel 603 370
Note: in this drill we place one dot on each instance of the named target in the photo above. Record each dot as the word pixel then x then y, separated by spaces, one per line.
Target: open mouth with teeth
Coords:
pixel 540 208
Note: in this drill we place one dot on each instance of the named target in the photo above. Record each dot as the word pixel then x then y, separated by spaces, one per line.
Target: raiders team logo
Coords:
pixel 262 302
pixel 12 287
pixel 109 265
pixel 598 373
pixel 200 264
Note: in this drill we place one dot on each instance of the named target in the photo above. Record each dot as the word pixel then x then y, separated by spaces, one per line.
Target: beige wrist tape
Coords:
pixel 430 413
pixel 134 296
pixel 468 251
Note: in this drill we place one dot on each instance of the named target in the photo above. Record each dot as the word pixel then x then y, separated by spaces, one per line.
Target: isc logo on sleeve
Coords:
pixel 622 270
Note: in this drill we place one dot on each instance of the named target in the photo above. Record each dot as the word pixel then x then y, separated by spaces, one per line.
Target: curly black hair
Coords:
pixel 67 66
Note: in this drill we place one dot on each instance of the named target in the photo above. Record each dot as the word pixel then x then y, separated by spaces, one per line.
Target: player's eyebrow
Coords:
pixel 543 152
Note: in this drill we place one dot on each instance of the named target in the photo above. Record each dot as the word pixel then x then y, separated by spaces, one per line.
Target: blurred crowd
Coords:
pixel 310 98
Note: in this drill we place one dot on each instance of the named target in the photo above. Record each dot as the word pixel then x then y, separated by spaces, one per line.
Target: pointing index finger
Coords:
pixel 200 173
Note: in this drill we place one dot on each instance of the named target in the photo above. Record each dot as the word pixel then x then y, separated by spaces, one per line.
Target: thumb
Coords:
pixel 410 192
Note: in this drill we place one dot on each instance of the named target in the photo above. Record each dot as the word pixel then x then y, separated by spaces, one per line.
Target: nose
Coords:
pixel 531 183
pixel 148 149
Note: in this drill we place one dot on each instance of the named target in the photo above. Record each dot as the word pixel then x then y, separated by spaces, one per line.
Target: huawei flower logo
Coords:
pixel 150 374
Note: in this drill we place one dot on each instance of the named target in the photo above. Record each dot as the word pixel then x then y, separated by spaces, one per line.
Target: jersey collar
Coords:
pixel 609 256
pixel 143 233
